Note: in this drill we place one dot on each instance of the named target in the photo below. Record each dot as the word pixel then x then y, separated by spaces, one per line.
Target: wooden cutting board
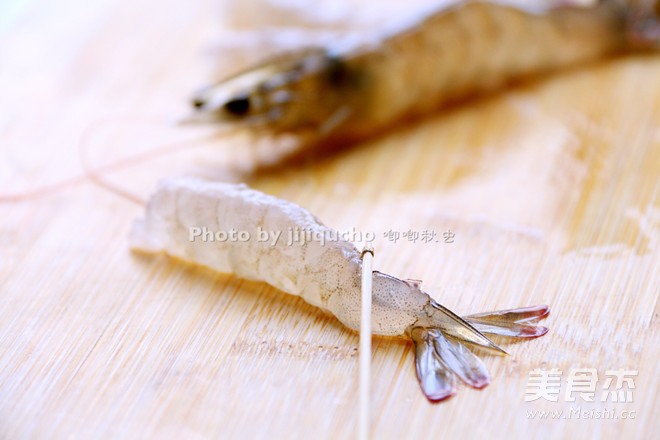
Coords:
pixel 552 190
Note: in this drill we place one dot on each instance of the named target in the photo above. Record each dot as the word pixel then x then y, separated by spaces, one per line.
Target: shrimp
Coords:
pixel 347 91
pixel 324 273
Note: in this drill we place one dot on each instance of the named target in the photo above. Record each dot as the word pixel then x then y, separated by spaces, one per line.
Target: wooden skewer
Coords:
pixel 365 342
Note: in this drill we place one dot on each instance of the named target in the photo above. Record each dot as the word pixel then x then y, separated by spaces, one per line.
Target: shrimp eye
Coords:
pixel 238 106
pixel 198 102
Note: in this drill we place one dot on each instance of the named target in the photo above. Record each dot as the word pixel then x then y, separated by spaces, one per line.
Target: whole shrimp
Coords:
pixel 347 91
pixel 324 273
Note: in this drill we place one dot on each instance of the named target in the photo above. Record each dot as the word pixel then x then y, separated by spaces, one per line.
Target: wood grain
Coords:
pixel 552 190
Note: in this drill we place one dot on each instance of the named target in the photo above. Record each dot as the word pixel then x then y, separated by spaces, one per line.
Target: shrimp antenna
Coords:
pixel 96 175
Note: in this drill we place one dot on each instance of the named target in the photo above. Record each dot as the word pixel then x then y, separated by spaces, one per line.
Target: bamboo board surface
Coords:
pixel 552 190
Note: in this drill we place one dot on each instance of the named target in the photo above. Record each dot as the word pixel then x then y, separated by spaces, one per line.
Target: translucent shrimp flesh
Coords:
pixel 352 89
pixel 324 272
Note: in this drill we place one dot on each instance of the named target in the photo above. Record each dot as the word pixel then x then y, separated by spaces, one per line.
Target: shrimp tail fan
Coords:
pixel 442 356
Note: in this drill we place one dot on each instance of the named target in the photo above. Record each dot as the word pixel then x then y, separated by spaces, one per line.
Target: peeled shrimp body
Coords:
pixel 234 229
